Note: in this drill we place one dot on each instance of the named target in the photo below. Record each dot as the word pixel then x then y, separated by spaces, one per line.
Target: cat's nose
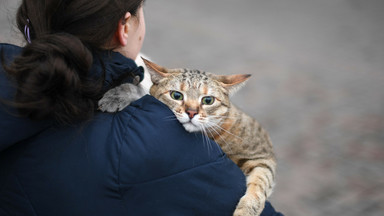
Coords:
pixel 191 113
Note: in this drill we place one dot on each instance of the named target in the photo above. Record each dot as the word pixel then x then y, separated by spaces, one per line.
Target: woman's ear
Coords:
pixel 123 29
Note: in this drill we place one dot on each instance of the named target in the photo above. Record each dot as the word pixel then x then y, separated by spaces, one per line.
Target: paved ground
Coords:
pixel 317 86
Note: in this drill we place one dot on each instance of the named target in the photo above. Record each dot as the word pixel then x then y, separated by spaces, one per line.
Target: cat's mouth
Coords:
pixel 190 127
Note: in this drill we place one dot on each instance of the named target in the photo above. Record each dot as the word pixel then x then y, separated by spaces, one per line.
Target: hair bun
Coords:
pixel 52 75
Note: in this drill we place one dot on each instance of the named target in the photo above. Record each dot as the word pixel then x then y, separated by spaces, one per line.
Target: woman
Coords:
pixel 59 156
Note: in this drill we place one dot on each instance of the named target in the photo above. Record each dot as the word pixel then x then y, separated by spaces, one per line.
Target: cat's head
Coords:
pixel 200 100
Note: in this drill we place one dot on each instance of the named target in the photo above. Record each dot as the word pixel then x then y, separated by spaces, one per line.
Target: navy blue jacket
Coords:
pixel 134 162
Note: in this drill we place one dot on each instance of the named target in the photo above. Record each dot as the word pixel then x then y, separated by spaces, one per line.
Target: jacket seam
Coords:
pixel 221 159
pixel 125 135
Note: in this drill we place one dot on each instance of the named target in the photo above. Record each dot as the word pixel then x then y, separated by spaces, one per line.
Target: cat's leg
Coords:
pixel 260 182
pixel 120 97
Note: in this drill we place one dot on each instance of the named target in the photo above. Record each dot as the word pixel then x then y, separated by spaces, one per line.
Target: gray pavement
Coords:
pixel 317 86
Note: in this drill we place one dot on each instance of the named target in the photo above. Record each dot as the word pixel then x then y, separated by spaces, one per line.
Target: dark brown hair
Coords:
pixel 51 73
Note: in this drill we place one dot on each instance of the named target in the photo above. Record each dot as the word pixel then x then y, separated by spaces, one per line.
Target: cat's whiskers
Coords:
pixel 211 128
pixel 222 117
pixel 204 130
pixel 217 126
pixel 209 133
pixel 205 137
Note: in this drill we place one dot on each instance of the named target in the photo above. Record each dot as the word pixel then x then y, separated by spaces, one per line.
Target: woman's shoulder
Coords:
pixel 9 50
pixel 10 46
pixel 143 116
pixel 154 138
pixel 159 158
pixel 147 114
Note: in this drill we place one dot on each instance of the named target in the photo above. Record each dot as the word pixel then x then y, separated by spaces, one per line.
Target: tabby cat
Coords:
pixel 200 101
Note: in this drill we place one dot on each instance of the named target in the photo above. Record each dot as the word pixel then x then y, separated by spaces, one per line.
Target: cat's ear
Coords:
pixel 232 82
pixel 157 72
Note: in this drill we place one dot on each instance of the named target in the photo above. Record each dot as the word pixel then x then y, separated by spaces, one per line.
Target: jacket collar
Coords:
pixel 115 68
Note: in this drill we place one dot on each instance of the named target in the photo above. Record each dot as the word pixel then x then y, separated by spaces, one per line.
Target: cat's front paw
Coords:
pixel 249 206
pixel 112 102
pixel 118 98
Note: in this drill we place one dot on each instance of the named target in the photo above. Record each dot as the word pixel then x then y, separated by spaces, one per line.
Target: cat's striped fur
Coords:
pixel 201 102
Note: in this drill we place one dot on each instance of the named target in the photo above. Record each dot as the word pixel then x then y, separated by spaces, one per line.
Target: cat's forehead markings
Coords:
pixel 194 74
pixel 205 90
pixel 182 86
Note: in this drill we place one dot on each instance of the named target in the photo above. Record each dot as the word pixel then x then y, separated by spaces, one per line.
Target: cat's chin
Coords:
pixel 190 127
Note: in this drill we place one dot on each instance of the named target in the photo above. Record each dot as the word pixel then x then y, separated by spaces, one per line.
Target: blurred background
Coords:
pixel 317 86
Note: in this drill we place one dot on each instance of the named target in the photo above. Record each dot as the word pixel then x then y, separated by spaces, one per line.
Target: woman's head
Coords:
pixel 94 22
pixel 52 72
pixel 130 34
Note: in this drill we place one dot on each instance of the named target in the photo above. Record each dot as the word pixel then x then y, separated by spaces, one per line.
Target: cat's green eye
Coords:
pixel 209 100
pixel 177 95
